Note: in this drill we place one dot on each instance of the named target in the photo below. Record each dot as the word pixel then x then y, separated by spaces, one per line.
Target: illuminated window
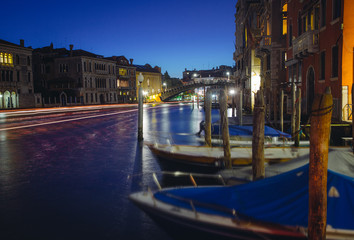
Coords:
pixel 1 58
pixel 285 18
pixel 245 43
pixel 5 58
pixel 10 59
pixel 122 71
pixel 268 28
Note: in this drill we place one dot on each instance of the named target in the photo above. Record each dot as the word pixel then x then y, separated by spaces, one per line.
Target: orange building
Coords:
pixel 320 43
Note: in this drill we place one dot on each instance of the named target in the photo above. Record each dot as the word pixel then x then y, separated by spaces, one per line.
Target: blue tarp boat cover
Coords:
pixel 280 199
pixel 237 130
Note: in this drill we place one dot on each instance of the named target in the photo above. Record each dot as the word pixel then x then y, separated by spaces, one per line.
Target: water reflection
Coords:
pixel 75 174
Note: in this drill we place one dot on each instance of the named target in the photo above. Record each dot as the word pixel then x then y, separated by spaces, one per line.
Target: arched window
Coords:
pixel 1 58
pixel 28 61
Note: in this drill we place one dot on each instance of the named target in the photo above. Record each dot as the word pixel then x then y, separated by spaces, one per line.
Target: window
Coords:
pixel 300 72
pixel 17 60
pixel 28 61
pixel 84 66
pixel 122 71
pixel 335 61
pixel 18 76
pixel 336 4
pixel 284 18
pixel 29 77
pixel 322 65
pixel 268 62
pixel 1 58
pixel 10 59
pixel 290 35
pixel 283 59
pixel 323 13
pixel 317 18
pixel 299 25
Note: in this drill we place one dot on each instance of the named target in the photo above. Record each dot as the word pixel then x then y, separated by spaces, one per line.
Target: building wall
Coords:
pixel 326 37
pixel 152 83
pixel 16 77
pixel 347 56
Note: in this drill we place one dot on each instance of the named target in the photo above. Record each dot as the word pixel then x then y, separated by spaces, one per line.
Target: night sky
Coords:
pixel 172 34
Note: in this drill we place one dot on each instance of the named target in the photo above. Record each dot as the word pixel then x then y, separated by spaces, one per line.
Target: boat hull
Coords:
pixel 185 224
pixel 213 157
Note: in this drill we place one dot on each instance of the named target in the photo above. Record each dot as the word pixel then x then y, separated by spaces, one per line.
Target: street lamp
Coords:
pixel 228 75
pixel 165 85
pixel 140 115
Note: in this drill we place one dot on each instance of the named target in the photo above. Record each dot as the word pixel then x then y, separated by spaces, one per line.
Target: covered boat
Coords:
pixel 272 208
pixel 247 131
pixel 242 136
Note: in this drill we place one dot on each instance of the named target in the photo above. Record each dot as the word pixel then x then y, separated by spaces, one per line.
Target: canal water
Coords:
pixel 72 180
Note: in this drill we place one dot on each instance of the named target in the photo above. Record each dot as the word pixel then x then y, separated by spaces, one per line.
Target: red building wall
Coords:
pixel 329 36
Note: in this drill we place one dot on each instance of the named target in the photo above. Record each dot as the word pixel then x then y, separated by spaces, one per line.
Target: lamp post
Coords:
pixel 165 86
pixel 140 114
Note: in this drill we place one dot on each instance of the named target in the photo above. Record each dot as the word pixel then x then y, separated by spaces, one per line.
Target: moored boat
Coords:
pixel 213 156
pixel 272 208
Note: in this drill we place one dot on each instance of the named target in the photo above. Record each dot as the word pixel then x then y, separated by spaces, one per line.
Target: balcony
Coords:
pixel 266 42
pixel 306 44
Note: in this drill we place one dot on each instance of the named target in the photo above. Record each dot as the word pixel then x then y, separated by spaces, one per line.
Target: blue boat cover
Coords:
pixel 237 130
pixel 280 199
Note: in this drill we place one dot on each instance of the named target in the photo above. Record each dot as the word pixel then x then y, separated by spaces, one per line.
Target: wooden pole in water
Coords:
pixel 298 117
pixel 275 105
pixel 207 107
pixel 258 138
pixel 282 110
pixel 224 123
pixel 198 100
pixel 319 142
pixel 239 113
pixel 233 104
pixel 293 114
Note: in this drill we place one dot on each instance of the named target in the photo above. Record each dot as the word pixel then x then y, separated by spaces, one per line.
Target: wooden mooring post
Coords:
pixel 207 108
pixel 258 138
pixel 319 143
pixel 224 123
pixel 293 114
pixel 239 112
pixel 298 117
pixel 282 110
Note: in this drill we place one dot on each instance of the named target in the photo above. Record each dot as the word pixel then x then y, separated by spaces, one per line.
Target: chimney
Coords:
pixel 51 45
pixel 71 49
pixel 22 42
pixel 131 61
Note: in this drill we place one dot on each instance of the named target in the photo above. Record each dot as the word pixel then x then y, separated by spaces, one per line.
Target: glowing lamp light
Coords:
pixel 0 95
pixel 232 91
pixel 140 78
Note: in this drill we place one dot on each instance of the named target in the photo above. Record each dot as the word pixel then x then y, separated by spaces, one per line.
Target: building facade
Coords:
pixel 74 77
pixel 16 78
pixel 320 51
pixel 126 79
pixel 152 84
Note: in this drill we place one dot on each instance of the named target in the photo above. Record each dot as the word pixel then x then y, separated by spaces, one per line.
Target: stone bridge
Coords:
pixel 171 92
